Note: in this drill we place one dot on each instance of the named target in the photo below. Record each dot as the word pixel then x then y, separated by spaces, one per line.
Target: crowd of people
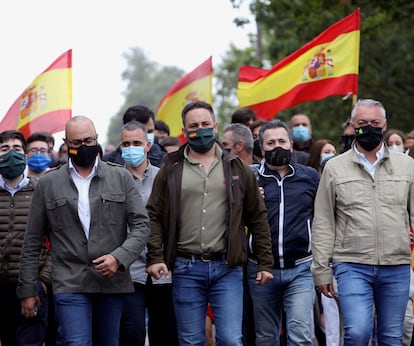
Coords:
pixel 270 235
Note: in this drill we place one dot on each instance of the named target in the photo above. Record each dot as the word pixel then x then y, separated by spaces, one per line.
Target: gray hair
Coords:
pixel 133 125
pixel 241 133
pixel 368 103
pixel 274 124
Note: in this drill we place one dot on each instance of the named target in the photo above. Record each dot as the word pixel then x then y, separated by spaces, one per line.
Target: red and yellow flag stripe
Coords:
pixel 327 65
pixel 195 85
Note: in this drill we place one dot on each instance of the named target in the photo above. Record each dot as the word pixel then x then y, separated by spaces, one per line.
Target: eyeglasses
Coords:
pixel 38 150
pixel 76 143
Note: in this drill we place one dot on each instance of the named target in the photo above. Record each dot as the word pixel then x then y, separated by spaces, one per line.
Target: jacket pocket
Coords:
pixel 113 206
pixel 395 190
pixel 353 192
pixel 58 210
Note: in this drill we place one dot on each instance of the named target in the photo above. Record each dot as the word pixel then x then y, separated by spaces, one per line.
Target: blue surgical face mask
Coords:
pixel 326 156
pixel 301 133
pixel 133 156
pixel 39 163
pixel 151 137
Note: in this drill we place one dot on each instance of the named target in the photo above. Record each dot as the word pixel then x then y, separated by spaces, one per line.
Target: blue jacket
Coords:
pixel 289 202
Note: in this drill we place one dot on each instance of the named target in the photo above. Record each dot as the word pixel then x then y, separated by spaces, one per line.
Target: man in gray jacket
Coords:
pixel 361 230
pixel 87 206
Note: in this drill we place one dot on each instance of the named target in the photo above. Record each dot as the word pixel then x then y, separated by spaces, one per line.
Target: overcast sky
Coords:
pixel 180 33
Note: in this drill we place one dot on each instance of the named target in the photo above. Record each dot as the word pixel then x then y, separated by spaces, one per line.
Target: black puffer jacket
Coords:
pixel 13 217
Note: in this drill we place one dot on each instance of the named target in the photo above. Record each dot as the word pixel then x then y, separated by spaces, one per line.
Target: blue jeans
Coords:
pixel 292 289
pixel 86 319
pixel 133 326
pixel 361 286
pixel 195 283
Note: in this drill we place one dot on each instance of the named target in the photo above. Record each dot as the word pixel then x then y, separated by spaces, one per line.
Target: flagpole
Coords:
pixel 354 99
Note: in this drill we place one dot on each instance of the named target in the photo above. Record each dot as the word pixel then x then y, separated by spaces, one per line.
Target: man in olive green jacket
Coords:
pixel 202 200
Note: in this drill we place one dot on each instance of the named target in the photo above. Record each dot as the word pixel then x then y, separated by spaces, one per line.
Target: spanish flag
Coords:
pixel 327 65
pixel 46 104
pixel 195 85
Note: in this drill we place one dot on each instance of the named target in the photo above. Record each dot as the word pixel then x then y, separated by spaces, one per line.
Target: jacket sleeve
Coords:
pixel 32 245
pixel 46 269
pixel 256 219
pixel 138 223
pixel 323 228
pixel 411 196
pixel 155 208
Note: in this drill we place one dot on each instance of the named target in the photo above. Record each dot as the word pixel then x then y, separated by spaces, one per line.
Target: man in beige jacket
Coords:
pixel 363 212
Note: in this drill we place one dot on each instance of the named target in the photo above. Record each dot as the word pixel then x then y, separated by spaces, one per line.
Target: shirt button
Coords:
pixel 204 210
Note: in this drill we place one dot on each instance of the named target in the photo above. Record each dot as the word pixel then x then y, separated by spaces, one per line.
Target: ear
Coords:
pixel 239 147
pixel 385 126
pixel 215 127
pixel 147 146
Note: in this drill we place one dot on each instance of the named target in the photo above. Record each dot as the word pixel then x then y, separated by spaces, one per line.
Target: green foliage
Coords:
pixel 385 71
pixel 386 54
pixel 147 83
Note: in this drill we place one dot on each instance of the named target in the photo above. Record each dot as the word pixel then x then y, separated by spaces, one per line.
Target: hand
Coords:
pixel 29 306
pixel 157 270
pixel 263 277
pixel 326 290
pixel 261 190
pixel 106 265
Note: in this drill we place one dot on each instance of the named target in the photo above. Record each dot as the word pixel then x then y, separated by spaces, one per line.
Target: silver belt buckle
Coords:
pixel 205 259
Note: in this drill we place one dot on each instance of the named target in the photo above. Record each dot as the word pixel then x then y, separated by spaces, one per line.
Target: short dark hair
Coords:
pixel 274 124
pixel 49 137
pixel 243 116
pixel 257 123
pixel 7 135
pixel 37 136
pixel 167 141
pixel 162 126
pixel 139 113
pixel 195 105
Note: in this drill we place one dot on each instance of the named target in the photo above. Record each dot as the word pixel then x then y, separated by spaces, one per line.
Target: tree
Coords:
pixel 386 58
pixel 147 83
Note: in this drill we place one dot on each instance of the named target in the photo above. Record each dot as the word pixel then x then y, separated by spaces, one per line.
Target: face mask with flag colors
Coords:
pixel 201 140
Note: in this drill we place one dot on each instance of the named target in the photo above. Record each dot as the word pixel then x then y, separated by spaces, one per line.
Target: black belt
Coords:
pixel 205 257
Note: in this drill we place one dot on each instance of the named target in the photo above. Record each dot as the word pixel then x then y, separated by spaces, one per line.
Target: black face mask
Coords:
pixel 257 151
pixel 84 156
pixel 347 142
pixel 278 156
pixel 368 137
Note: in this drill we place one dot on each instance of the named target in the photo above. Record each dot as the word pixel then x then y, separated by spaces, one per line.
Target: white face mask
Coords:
pixel 397 148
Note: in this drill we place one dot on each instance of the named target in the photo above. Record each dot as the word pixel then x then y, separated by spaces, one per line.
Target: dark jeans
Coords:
pixel 157 301
pixel 161 315
pixel 133 326
pixel 16 329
